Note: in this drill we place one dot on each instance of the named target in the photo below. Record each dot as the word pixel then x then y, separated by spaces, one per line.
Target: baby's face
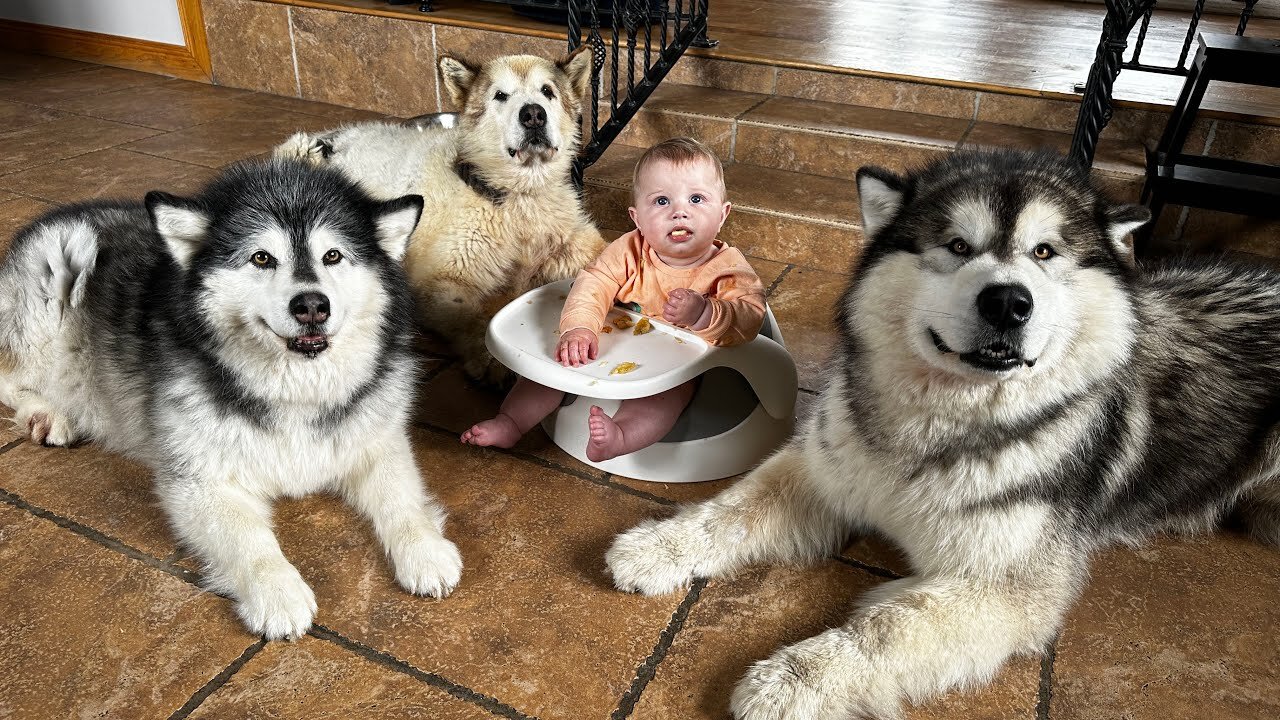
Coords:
pixel 679 210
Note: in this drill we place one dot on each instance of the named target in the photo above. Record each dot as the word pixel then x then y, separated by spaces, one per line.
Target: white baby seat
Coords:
pixel 743 408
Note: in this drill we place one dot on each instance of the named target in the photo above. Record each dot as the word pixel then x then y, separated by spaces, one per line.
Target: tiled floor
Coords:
pixel 101 614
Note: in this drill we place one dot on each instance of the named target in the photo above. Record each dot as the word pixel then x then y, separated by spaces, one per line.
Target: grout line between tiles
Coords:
pixel 388 660
pixel 293 50
pixel 965 135
pixel 217 681
pixel 435 68
pixel 1045 694
pixel 11 445
pixel 649 668
pixel 99 537
pixel 778 280
pixel 873 569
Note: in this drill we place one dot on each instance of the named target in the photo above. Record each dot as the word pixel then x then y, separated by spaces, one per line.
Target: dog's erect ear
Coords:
pixel 181 222
pixel 880 194
pixel 396 220
pixel 1122 220
pixel 457 76
pixel 577 65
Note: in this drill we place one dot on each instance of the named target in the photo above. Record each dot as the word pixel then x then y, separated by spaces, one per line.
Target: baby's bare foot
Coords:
pixel 606 441
pixel 501 431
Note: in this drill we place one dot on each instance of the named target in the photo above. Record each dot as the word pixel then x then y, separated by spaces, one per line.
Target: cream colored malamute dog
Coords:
pixel 502 215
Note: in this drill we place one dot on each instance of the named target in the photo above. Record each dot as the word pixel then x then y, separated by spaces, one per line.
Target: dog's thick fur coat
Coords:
pixel 502 215
pixel 251 343
pixel 1009 393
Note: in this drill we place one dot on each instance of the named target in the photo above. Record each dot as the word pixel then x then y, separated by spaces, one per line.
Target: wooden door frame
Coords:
pixel 189 61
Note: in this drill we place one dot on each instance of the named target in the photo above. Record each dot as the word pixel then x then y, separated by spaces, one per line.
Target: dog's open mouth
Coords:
pixel 309 345
pixel 995 357
pixel 534 148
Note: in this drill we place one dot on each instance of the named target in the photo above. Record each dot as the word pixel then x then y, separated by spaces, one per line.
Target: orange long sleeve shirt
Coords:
pixel 629 271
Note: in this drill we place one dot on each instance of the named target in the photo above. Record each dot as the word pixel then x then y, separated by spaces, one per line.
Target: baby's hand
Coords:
pixel 684 307
pixel 576 347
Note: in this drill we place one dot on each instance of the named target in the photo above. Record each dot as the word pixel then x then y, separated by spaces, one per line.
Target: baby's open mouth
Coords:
pixel 681 234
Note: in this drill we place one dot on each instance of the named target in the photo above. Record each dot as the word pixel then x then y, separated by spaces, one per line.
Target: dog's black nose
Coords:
pixel 1005 306
pixel 310 308
pixel 533 116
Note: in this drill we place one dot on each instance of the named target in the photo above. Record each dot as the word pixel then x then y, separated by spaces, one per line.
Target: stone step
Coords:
pixel 833 140
pixel 779 215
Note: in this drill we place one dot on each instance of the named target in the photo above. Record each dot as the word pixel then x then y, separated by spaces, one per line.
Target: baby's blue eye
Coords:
pixel 696 199
pixel 662 200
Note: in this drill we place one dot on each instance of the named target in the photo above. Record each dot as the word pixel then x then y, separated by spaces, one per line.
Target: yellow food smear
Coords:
pixel 606 329
pixel 623 368
pixel 642 327
pixel 622 323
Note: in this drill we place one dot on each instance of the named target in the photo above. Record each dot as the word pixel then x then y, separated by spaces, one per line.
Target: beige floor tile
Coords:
pixel 251 132
pixel 22 66
pixel 62 138
pixel 803 304
pixel 15 214
pixel 50 91
pixel 694 100
pixel 335 114
pixel 87 632
pixel 535 621
pixel 723 74
pixel 171 105
pixel 102 491
pixel 1175 629
pixel 738 621
pixel 112 173
pixel 319 680
pixel 15 115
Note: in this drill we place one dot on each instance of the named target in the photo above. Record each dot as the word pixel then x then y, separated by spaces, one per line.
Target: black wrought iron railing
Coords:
pixel 635 44
pixel 1122 16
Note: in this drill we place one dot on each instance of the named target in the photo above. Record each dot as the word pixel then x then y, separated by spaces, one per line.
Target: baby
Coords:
pixel 672 266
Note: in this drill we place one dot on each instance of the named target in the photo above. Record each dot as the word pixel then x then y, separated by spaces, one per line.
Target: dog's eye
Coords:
pixel 958 246
pixel 548 92
pixel 331 258
pixel 263 259
pixel 500 96
pixel 1043 251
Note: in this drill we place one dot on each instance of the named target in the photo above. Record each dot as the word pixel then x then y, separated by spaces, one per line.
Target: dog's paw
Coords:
pixel 278 604
pixel 652 558
pixel 813 679
pixel 46 427
pixel 304 146
pixel 427 564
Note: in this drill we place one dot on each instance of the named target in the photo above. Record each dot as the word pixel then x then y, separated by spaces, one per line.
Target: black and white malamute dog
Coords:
pixel 247 344
pixel 1009 393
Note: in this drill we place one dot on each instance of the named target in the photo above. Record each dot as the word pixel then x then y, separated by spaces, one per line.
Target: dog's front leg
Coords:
pixel 913 639
pixel 408 521
pixel 770 515
pixel 230 531
pixel 575 253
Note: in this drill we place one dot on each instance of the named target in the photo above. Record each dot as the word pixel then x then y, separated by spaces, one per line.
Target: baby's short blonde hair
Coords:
pixel 680 151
